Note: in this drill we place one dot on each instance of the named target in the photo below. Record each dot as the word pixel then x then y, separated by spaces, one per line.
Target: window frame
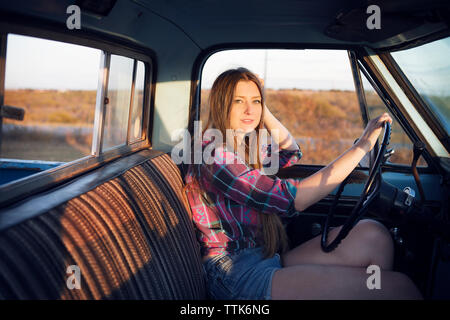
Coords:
pixel 194 112
pixel 361 56
pixel 416 98
pixel 203 56
pixel 365 67
pixel 21 188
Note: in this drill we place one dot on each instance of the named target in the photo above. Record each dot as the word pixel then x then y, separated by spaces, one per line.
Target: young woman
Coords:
pixel 237 209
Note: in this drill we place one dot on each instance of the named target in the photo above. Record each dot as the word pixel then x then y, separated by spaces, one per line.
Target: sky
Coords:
pixel 301 69
pixel 427 66
pixel 50 65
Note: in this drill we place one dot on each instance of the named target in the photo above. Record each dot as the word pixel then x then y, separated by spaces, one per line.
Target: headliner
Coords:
pixel 209 23
pixel 214 22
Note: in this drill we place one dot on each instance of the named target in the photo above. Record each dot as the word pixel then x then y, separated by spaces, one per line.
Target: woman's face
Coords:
pixel 246 108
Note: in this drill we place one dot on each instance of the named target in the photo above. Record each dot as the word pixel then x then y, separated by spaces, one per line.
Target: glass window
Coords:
pixel 428 69
pixel 138 103
pixel 48 111
pixel 118 106
pixel 55 85
pixel 400 142
pixel 311 92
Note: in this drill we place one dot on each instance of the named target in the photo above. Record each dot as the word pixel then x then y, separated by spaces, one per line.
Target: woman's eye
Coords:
pixel 257 101
pixel 238 101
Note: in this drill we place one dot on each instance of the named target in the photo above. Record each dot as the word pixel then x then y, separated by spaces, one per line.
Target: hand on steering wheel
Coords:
pixel 370 190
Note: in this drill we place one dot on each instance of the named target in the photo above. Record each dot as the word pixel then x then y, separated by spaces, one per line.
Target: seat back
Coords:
pixel 123 231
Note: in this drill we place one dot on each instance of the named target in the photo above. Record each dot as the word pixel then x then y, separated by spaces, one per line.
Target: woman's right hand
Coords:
pixel 372 131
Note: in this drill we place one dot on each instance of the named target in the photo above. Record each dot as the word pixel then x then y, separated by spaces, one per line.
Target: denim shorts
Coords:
pixel 243 275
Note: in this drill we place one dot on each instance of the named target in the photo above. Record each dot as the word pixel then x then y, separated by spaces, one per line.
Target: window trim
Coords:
pixel 203 56
pixel 365 67
pixel 130 109
pixel 3 48
pixel 43 29
pixel 99 121
pixel 399 100
pixel 387 104
pixel 360 53
pixel 398 116
pixel 359 88
pixel 416 98
pixel 19 189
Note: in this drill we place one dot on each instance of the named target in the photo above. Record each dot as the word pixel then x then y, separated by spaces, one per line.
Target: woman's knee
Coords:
pixel 377 242
pixel 375 233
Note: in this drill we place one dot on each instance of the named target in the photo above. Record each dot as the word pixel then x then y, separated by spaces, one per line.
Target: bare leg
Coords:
pixel 310 273
pixel 369 242
pixel 338 282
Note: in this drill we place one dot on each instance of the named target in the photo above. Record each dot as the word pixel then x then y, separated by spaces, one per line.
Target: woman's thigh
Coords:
pixel 369 242
pixel 312 282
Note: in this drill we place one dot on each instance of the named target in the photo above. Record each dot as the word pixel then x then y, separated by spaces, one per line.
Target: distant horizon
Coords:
pixel 45 68
pixel 66 90
pixel 54 65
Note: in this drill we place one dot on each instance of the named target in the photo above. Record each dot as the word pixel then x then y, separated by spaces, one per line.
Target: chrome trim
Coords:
pixel 3 45
pixel 99 121
pixel 130 109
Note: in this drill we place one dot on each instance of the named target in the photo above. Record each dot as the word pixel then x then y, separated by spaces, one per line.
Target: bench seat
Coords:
pixel 127 226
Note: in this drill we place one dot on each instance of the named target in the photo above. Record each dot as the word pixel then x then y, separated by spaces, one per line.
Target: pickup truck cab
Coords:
pixel 94 95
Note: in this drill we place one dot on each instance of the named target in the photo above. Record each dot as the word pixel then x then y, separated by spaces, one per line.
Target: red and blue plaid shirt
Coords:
pixel 238 193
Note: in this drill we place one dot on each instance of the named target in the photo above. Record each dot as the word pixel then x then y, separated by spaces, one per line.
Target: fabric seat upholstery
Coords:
pixel 131 236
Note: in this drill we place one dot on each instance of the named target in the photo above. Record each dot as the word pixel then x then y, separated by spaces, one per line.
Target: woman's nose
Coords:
pixel 248 108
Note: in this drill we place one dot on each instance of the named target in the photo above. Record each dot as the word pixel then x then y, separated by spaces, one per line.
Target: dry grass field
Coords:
pixel 324 123
pixel 57 125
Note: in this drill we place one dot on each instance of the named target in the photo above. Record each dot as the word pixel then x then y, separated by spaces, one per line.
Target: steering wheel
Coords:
pixel 370 192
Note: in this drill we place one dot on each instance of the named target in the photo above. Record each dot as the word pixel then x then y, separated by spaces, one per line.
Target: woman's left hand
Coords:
pixel 372 131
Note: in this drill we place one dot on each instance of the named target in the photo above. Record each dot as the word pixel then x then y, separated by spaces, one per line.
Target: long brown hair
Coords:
pixel 219 102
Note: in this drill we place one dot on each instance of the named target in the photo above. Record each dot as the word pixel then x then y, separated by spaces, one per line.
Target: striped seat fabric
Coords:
pixel 125 233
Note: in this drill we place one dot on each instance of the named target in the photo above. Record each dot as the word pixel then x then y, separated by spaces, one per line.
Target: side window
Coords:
pixel 119 96
pixel 137 108
pixel 310 91
pixel 51 101
pixel 125 102
pixel 427 68
pixel 400 142
pixel 54 84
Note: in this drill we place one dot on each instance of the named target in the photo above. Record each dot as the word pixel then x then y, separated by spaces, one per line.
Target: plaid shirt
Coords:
pixel 238 193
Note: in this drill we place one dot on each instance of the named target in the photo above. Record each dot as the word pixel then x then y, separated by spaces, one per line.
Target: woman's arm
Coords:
pixel 315 187
pixel 278 132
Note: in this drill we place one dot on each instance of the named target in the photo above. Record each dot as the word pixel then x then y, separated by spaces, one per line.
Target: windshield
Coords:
pixel 428 69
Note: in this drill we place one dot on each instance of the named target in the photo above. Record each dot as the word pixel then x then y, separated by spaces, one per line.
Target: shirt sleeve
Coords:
pixel 287 157
pixel 229 175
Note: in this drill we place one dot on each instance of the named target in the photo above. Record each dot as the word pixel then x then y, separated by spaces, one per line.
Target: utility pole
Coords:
pixel 265 72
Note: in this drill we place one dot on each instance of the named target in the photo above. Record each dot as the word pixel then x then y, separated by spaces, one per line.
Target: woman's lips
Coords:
pixel 247 121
